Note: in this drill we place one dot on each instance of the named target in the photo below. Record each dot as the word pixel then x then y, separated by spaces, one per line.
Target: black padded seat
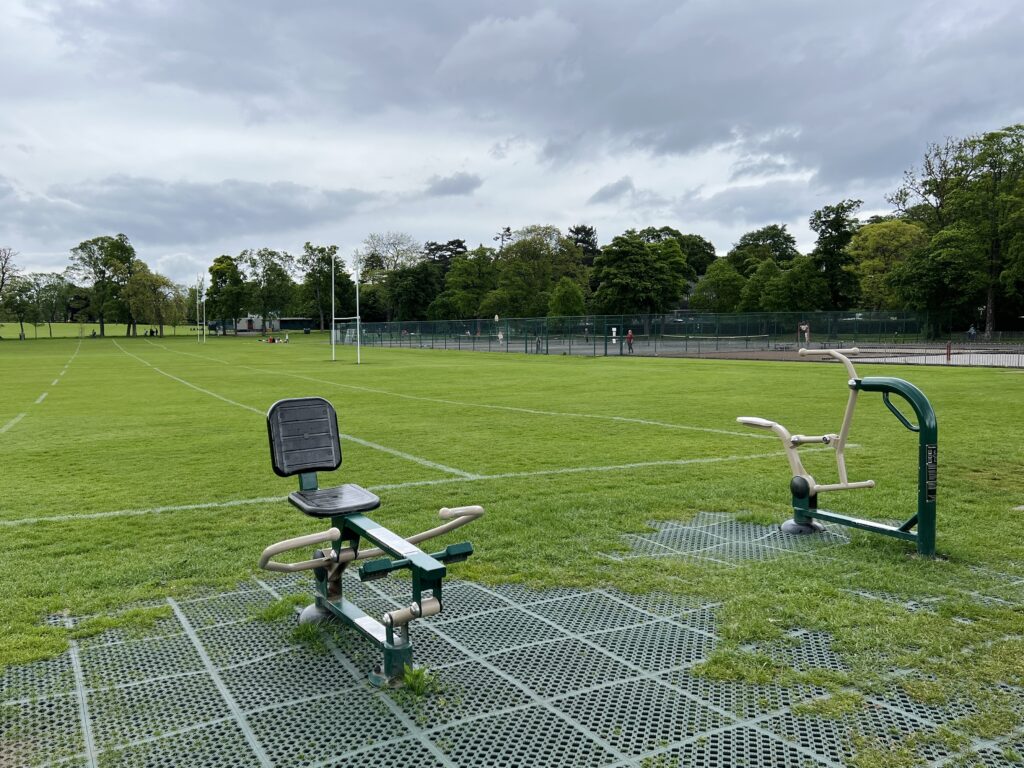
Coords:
pixel 341 500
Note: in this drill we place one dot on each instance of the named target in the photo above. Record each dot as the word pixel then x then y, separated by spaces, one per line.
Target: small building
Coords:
pixel 254 324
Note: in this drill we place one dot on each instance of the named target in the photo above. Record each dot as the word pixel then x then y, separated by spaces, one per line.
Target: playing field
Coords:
pixel 138 469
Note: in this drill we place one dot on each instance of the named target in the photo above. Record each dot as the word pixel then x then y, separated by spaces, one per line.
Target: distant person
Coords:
pixel 629 340
pixel 971 333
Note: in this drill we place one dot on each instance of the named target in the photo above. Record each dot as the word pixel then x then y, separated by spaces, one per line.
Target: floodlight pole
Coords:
pixel 332 307
pixel 359 329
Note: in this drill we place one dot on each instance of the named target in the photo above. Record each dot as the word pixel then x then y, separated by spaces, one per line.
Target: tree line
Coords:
pixel 953 246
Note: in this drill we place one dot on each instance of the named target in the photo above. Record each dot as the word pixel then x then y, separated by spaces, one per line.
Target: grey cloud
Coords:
pixel 160 212
pixel 456 184
pixel 865 86
pixel 609 193
pixel 751 206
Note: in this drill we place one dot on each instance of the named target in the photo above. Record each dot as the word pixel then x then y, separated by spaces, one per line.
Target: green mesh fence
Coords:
pixel 676 334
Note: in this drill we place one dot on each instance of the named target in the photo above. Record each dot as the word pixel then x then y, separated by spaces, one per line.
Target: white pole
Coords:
pixel 204 318
pixel 197 311
pixel 359 329
pixel 332 308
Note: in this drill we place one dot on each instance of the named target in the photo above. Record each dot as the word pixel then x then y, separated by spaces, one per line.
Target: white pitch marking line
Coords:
pixel 397 486
pixel 41 398
pixel 517 409
pixel 367 443
pixel 512 408
pixel 11 423
pixel 54 384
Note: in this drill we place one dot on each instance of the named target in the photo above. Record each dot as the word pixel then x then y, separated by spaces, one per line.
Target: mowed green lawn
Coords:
pixel 566 454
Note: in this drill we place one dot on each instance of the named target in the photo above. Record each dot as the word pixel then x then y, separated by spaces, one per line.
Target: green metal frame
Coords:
pixel 395 642
pixel 805 507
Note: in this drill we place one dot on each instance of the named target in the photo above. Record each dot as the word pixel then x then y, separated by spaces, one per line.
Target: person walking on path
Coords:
pixel 629 340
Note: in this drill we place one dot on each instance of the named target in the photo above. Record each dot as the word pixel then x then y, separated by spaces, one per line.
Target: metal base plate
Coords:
pixel 802 529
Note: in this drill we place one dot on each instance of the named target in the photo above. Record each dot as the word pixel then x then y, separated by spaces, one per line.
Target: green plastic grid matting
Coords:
pixel 719 538
pixel 561 677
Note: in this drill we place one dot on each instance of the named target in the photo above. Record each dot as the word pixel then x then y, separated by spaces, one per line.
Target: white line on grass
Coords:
pixel 42 397
pixel 54 384
pixel 360 441
pixel 11 423
pixel 409 484
pixel 511 408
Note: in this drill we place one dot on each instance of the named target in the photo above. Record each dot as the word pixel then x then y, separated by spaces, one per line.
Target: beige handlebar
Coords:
pixel 838 354
pixel 299 541
pixel 456 517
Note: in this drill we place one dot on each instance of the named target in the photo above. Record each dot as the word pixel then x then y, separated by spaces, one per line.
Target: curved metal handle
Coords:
pixel 331 534
pixel 456 516
pixel 838 354
pixel 898 414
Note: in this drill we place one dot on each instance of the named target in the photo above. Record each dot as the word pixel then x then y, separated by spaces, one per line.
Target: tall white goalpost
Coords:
pixel 334 320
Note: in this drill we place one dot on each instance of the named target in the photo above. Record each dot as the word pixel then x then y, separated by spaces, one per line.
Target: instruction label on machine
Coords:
pixel 931 459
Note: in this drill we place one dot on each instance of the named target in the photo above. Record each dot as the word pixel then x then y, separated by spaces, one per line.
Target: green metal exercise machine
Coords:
pixel 805 489
pixel 304 440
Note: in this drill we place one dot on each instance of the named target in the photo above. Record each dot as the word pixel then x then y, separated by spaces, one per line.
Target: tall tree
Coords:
pixel 18 301
pixel 637 275
pixel 503 237
pixel 835 226
pixel 757 283
pixel 566 299
pixel 584 237
pixel 226 294
pixel 8 269
pixel 148 295
pixel 99 263
pixel 382 252
pixel 771 242
pixel 719 290
pixel 443 254
pixel 470 278
pixel 875 250
pixel 659 235
pixel 410 290
pixel 801 287
pixel 51 293
pixel 269 283
pixel 699 253
pixel 530 266
pixel 975 186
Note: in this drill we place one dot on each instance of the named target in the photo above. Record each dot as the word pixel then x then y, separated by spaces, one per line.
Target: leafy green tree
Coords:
pixel 875 250
pixel 771 242
pixel 750 297
pixel 226 294
pixel 635 274
pixel 530 266
pixel 100 263
pixel 148 295
pixel 18 301
pixel 8 269
pixel 584 237
pixel 269 286
pixel 660 235
pixel 835 226
pixel 699 253
pixel 801 287
pixel 719 290
pixel 566 299
pixel 976 186
pixel 52 293
pixel 383 252
pixel 315 264
pixel 443 254
pixel 471 277
pixel 410 290
pixel 946 280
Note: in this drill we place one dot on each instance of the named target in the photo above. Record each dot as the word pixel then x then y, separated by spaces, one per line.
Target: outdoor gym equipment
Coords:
pixel 304 440
pixel 805 489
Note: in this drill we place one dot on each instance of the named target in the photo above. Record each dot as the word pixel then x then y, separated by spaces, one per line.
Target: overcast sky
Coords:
pixel 202 127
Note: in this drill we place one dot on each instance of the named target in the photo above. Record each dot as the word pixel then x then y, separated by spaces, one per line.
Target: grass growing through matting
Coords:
pixel 144 472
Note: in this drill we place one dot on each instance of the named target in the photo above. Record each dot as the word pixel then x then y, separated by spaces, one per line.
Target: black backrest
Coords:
pixel 303 436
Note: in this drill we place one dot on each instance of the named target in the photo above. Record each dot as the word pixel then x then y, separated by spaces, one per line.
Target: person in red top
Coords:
pixel 629 340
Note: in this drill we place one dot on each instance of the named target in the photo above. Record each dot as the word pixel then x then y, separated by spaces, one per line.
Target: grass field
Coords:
pixel 137 469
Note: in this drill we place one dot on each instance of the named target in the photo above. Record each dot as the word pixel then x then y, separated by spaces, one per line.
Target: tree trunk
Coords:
pixel 102 327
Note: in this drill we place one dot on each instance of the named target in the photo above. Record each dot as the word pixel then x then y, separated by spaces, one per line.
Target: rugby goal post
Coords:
pixel 346 330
